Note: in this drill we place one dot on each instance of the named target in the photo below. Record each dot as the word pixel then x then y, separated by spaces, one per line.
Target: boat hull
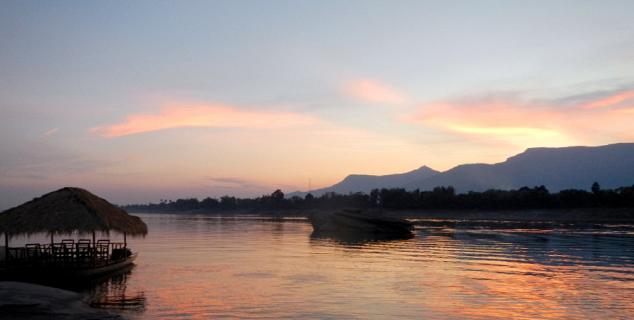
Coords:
pixel 32 273
pixel 362 224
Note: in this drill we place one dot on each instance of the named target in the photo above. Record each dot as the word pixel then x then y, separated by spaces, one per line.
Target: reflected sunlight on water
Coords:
pixel 203 266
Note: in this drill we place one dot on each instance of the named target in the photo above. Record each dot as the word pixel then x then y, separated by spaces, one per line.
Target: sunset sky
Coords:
pixel 141 101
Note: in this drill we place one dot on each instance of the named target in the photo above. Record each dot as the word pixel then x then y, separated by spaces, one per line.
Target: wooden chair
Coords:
pixel 57 253
pixel 69 248
pixel 33 251
pixel 103 249
pixel 83 252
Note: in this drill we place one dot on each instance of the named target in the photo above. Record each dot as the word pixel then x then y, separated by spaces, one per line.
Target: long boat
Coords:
pixel 346 222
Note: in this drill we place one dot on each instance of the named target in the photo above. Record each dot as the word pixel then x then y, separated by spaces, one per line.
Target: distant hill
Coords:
pixel 365 183
pixel 556 168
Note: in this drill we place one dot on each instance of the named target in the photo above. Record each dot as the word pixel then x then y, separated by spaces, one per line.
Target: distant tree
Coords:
pixel 228 203
pixel 374 198
pixel 209 203
pixel 277 195
pixel 296 201
pixel 277 198
pixel 596 188
pixel 442 197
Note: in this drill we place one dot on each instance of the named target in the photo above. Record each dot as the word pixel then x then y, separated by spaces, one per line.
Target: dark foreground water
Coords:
pixel 201 267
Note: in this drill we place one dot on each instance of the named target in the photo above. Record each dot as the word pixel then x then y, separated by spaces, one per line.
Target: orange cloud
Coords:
pixel 610 100
pixel 531 124
pixel 368 90
pixel 204 115
pixel 627 110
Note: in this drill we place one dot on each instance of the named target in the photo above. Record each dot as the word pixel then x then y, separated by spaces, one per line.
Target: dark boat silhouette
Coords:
pixel 357 222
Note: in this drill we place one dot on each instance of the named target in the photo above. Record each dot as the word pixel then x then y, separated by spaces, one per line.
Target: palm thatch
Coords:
pixel 68 210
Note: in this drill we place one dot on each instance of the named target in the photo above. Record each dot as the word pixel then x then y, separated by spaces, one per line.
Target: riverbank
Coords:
pixel 583 215
pixel 20 300
pixel 589 215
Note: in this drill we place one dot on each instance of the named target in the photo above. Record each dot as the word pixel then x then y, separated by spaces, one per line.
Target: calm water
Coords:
pixel 202 267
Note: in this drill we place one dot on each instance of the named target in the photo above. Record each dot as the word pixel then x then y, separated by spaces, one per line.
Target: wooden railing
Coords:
pixel 67 253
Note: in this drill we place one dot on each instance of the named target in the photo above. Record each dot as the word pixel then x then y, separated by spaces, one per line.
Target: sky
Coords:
pixel 139 101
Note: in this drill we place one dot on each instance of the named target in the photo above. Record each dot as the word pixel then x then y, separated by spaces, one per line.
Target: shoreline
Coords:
pixel 21 300
pixel 581 215
pixel 578 215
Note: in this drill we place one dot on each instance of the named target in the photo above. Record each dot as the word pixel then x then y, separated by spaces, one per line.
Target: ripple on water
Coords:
pixel 201 267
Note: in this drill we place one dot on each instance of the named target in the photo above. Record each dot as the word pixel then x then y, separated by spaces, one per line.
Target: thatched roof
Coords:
pixel 68 210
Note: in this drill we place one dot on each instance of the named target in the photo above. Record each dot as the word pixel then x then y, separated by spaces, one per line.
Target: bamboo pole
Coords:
pixel 6 246
pixel 125 240
pixel 94 248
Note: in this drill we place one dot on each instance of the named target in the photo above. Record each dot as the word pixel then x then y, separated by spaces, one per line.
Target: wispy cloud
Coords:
pixel 611 100
pixel 234 183
pixel 40 162
pixel 373 91
pixel 204 115
pixel 50 132
pixel 529 123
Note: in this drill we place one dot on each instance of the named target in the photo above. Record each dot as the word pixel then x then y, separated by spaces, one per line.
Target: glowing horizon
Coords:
pixel 207 99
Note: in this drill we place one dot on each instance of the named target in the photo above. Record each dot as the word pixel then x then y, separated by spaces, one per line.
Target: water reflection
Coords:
pixel 353 239
pixel 112 293
pixel 543 246
pixel 537 273
pixel 250 267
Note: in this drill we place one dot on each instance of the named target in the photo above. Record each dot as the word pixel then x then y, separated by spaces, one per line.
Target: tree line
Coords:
pixel 401 199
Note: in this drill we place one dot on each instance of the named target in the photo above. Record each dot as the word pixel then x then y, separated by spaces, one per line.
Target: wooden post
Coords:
pixel 52 249
pixel 125 240
pixel 6 246
pixel 93 251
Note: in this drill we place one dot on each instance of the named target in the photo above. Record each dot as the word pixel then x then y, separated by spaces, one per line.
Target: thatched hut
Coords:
pixel 69 210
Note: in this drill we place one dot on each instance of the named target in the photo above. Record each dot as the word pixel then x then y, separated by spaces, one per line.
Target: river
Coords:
pixel 201 267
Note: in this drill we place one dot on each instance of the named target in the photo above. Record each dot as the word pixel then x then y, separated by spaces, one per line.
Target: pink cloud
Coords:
pixel 611 100
pixel 518 122
pixel 50 132
pixel 368 90
pixel 203 115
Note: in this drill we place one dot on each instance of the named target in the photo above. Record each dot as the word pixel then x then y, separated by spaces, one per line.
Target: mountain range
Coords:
pixel 611 166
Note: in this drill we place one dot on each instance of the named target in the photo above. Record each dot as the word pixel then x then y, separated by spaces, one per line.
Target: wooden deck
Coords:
pixel 65 259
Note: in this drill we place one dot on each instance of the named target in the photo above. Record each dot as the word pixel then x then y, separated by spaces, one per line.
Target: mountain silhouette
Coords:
pixel 365 183
pixel 612 166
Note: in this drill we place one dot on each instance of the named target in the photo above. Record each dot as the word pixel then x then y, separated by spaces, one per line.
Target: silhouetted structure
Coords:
pixel 66 211
pixel 438 198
